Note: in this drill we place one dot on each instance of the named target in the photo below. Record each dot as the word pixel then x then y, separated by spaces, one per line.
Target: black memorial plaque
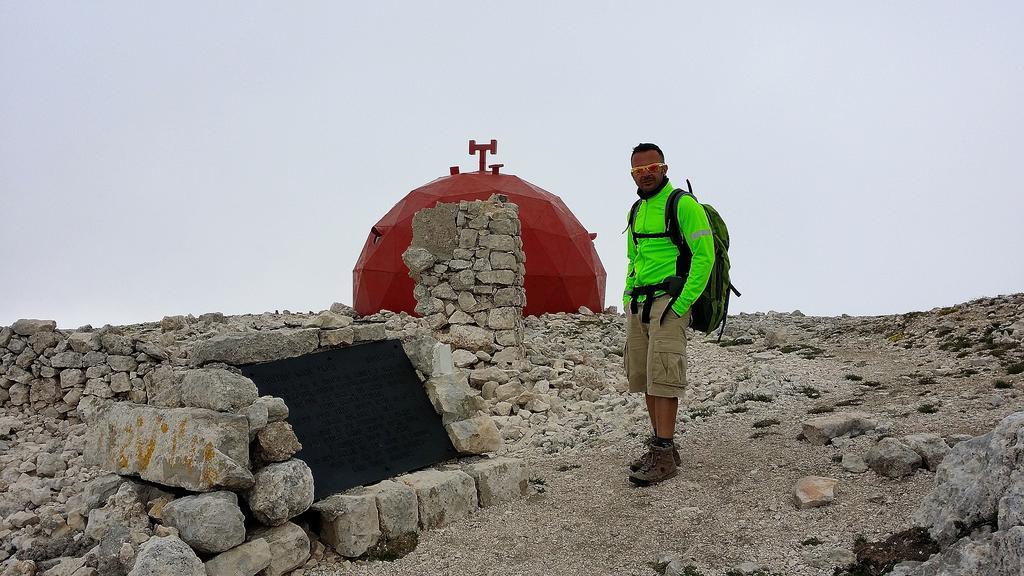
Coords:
pixel 361 413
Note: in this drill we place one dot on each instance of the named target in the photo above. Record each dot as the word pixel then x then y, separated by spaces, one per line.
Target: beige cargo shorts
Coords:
pixel 655 354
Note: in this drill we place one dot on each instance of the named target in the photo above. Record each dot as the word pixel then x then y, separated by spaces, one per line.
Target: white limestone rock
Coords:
pixel 892 458
pixel 276 442
pixel 443 497
pixel 820 431
pixel 978 480
pixel 349 522
pixel 245 560
pixel 452 397
pixel 167 556
pixel 239 348
pixel 277 410
pixel 28 326
pixel 209 523
pixel 289 547
pixel 397 508
pixel 497 480
pixel 83 342
pixel 931 447
pixel 217 389
pixel 281 491
pixel 190 448
pixel 814 491
pixel 477 435
pixel 471 338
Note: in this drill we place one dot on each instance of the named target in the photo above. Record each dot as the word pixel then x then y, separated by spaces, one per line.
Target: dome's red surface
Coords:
pixel 563 270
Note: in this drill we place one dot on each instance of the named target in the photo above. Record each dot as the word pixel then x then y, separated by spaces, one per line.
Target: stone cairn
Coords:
pixel 203 476
pixel 468 263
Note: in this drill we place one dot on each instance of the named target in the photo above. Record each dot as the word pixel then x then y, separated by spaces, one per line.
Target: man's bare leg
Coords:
pixel 664 416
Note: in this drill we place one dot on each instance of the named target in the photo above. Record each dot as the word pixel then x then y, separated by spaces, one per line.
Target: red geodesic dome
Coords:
pixel 563 270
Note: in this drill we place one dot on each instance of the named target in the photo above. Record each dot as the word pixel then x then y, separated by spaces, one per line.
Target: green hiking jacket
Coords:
pixel 654 259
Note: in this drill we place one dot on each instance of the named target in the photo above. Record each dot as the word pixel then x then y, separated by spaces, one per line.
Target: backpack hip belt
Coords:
pixel 673 286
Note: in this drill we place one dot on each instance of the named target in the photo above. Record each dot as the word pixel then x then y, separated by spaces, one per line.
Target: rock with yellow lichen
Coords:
pixel 192 448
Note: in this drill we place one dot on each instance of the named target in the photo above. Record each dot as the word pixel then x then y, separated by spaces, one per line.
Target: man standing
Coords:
pixel 662 282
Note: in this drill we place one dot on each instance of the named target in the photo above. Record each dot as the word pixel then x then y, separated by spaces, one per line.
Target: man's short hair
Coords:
pixel 645 146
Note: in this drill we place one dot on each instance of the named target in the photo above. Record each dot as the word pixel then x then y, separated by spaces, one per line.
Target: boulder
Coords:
pixel 489 374
pixel 40 341
pixel 217 389
pixel 277 410
pixel 477 435
pixel 122 520
pixel 328 320
pixel 822 430
pixel 163 387
pixel 121 363
pixel 452 397
pixel 443 497
pixel 497 480
pixel 43 390
pixel 190 448
pixel 349 522
pixel 504 318
pixel 892 458
pixel 931 447
pixel 276 442
pixel 814 491
pixel 430 357
pixel 339 337
pixel 280 492
pixel 94 494
pixel 396 508
pixel 464 358
pixel 977 481
pixel 115 344
pixel 152 350
pixel 854 463
pixel 167 556
pixel 240 348
pixel 84 342
pixel 245 560
pixel 369 332
pixel 209 523
pixel 471 338
pixel 289 547
pixel 28 326
pixel 67 359
pixel 258 417
pixel 418 260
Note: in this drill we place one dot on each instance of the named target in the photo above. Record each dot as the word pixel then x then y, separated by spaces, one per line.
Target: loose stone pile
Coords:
pixel 468 263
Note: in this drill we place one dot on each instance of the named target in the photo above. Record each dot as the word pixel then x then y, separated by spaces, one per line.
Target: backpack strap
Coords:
pixel 632 217
pixel 673 231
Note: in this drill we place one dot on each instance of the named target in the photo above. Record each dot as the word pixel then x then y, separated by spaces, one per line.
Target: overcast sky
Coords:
pixel 190 157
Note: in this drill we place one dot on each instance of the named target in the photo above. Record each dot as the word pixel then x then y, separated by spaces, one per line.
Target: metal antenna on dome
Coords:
pixel 483 149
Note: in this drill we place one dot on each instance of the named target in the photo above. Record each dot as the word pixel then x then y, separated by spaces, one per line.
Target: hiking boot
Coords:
pixel 661 466
pixel 639 462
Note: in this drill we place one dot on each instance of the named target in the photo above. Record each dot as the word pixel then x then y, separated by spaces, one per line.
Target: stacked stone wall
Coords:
pixel 204 473
pixel 48 372
pixel 469 266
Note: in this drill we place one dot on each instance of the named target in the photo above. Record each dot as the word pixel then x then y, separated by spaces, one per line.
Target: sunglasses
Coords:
pixel 649 169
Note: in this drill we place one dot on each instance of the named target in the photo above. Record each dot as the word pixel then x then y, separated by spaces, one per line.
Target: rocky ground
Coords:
pixel 954 372
pixel 950 371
